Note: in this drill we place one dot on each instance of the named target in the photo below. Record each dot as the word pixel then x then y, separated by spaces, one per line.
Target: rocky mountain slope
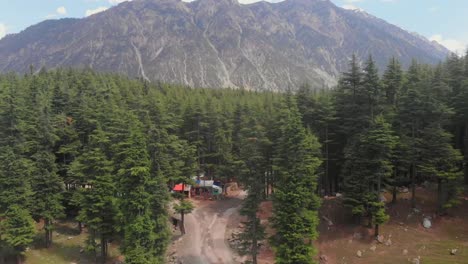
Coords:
pixel 217 43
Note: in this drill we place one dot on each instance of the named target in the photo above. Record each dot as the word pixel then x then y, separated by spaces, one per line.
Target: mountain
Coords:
pixel 218 43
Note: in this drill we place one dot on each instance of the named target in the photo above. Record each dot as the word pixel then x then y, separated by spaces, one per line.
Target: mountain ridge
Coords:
pixel 218 43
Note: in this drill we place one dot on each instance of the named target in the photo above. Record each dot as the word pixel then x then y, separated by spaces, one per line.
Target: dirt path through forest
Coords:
pixel 205 241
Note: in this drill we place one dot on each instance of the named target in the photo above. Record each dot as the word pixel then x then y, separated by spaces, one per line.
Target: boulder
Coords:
pixel 357 236
pixel 427 223
pixel 380 239
pixel 388 242
pixel 453 251
pixel 323 259
pixel 373 248
pixel 405 252
pixel 338 195
pixel 417 260
pixel 404 190
pixel 359 253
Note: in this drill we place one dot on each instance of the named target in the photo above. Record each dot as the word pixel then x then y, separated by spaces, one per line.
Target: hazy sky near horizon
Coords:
pixel 445 21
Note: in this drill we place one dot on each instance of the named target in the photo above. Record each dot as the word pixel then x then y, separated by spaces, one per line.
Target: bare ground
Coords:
pixel 340 242
pixel 207 232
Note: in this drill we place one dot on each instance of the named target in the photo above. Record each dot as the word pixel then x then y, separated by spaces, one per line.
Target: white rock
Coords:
pixel 453 251
pixel 373 248
pixel 405 252
pixel 427 223
pixel 404 190
pixel 359 253
pixel 380 238
pixel 357 236
pixel 388 242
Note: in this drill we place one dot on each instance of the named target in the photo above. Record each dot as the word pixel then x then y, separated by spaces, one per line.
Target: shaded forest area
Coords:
pixel 104 150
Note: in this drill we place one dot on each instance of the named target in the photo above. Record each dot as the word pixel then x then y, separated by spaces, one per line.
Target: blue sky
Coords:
pixel 443 20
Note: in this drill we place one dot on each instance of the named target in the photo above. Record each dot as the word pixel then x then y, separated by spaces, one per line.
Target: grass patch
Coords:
pixel 65 249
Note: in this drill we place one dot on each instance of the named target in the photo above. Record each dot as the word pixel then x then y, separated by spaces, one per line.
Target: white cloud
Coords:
pixel 90 12
pixel 454 45
pixel 3 30
pixel 115 2
pixel 61 10
pixel 352 7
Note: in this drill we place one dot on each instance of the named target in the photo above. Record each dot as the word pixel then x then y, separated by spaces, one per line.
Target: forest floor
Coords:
pixel 405 238
pixel 208 228
pixel 67 247
pixel 211 225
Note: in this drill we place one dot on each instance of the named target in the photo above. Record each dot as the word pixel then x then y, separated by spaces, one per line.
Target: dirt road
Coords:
pixel 206 241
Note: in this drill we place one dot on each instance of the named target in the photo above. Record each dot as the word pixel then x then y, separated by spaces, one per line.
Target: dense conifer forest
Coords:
pixel 105 150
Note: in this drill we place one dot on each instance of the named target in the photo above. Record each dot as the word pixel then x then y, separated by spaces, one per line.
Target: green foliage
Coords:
pixel 392 82
pixel 368 166
pixel 184 207
pixel 15 181
pixel 253 166
pixel 105 149
pixel 295 203
pixel 98 201
pixel 17 229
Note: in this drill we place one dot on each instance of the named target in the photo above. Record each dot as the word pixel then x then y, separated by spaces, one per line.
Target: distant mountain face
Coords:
pixel 218 43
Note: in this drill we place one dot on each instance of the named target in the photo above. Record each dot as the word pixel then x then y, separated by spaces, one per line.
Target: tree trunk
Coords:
pixel 320 181
pixel 394 191
pixel 80 227
pixel 103 249
pixel 48 233
pixel 465 144
pixel 272 182
pixel 327 164
pixel 182 223
pixel 439 197
pixel 413 171
pixel 254 242
pixel 413 186
pixel 376 230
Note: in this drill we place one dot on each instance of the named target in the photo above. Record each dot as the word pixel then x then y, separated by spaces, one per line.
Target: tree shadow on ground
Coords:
pixel 68 228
